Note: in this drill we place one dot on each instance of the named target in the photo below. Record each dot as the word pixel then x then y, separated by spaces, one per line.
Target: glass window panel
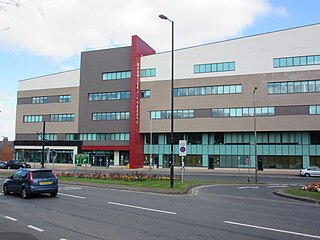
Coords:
pixel 232 112
pixel 283 62
pixel 297 87
pixel 318 86
pixel 214 67
pixel 312 86
pixel 312 110
pixel 317 59
pixel 232 66
pixel 310 60
pixel 289 62
pixel 276 62
pixel 196 69
pixel 214 90
pixel 238 88
pixel 226 112
pixel 208 90
pixel 208 67
pixel 277 88
pixel 245 112
pixel 271 88
pixel 258 111
pixel 233 89
pixel 284 87
pixel 296 61
pixel 220 89
pixel 239 112
pixel 226 67
pixel 226 89
pixel 214 113
pixel 202 68
pixel 291 88
pixel 220 67
pixel 304 86
pixel 303 61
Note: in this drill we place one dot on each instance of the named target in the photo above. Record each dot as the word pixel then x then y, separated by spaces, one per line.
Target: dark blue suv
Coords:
pixel 31 181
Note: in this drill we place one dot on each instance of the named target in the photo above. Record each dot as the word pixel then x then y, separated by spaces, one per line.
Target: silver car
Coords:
pixel 310 172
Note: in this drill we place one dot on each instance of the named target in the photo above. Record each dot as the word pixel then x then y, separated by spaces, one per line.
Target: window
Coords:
pixel 64 98
pixel 242 112
pixel 314 110
pixel 116 75
pixel 32 118
pixel 109 116
pixel 214 67
pixel 62 117
pixel 99 137
pixel 107 96
pixel 307 86
pixel 296 61
pixel 145 93
pixel 150 72
pixel 39 100
pixel 208 90
pixel 48 136
pixel 177 114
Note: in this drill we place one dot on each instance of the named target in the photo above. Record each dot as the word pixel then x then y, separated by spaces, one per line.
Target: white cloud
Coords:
pixel 7 115
pixel 60 28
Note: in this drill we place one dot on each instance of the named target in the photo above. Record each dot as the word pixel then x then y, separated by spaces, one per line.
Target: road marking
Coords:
pixel 143 208
pixel 35 228
pixel 278 186
pixel 74 196
pixel 11 218
pixel 70 188
pixel 247 187
pixel 273 229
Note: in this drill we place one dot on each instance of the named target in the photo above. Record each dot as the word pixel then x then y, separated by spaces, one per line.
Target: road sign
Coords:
pixel 182 148
pixel 82 158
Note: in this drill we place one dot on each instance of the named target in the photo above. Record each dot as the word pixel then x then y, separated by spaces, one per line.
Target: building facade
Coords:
pixel 116 107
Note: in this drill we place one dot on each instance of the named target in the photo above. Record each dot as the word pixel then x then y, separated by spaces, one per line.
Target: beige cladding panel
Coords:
pixel 47 109
pixel 160 100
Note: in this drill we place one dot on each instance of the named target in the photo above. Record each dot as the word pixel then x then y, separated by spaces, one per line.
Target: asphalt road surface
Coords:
pixel 217 212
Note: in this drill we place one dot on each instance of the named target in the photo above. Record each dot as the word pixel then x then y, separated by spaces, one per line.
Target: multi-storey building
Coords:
pixel 117 109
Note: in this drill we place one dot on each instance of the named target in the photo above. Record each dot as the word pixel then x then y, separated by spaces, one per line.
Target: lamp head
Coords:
pixel 163 17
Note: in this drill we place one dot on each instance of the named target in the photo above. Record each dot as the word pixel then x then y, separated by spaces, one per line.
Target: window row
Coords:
pixel 177 114
pixel 64 98
pixel 150 72
pixel 110 116
pixel 242 112
pixel 39 100
pixel 296 61
pixel 214 67
pixel 48 136
pixel 314 110
pixel 116 75
pixel 32 118
pixel 209 90
pixel 294 87
pixel 98 136
pixel 106 96
pixel 62 117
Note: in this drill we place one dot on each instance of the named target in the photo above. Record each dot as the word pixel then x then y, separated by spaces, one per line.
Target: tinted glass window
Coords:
pixel 43 174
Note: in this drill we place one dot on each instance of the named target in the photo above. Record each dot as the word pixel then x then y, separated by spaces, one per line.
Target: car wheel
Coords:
pixel 307 175
pixel 54 194
pixel 24 193
pixel 6 190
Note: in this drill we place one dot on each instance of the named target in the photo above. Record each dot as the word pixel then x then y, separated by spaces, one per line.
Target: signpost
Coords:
pixel 81 159
pixel 182 153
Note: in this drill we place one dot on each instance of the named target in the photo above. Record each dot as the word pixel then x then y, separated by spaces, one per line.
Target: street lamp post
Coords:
pixel 255 133
pixel 172 78
pixel 43 143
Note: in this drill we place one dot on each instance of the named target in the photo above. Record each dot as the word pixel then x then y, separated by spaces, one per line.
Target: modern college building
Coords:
pixel 117 106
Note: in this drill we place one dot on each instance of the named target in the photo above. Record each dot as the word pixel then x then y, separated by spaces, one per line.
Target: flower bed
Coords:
pixel 312 187
pixel 132 176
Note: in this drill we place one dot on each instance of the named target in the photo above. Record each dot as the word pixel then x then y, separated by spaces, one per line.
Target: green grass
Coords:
pixel 162 184
pixel 301 193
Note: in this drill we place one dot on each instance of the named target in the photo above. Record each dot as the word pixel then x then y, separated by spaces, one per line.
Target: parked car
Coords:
pixel 31 181
pixel 3 165
pixel 310 172
pixel 15 164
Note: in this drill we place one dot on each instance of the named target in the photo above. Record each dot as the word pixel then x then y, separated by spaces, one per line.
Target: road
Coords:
pixel 218 212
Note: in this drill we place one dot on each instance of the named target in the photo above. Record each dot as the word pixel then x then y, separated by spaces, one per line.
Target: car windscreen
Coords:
pixel 42 174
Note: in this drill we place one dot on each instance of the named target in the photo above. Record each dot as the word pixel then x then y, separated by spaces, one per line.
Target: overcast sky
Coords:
pixel 41 37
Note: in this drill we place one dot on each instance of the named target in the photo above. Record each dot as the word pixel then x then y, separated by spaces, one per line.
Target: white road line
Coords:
pixel 11 218
pixel 35 228
pixel 277 186
pixel 247 187
pixel 143 208
pixel 74 196
pixel 70 188
pixel 273 229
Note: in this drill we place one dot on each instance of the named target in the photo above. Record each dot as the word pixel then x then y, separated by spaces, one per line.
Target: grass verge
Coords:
pixel 161 184
pixel 301 193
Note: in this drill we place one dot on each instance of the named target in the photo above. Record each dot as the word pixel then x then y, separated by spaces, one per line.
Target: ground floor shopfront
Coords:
pixel 287 150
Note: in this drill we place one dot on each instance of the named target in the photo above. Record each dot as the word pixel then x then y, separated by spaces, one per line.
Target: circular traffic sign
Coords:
pixel 182 149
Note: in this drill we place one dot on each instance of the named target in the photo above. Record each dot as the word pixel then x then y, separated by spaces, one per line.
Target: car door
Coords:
pixel 15 182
